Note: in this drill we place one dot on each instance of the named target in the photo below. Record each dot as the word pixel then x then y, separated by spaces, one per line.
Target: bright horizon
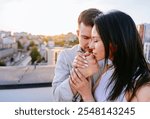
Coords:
pixel 47 17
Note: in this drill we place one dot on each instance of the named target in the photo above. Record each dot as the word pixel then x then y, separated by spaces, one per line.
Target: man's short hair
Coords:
pixel 87 16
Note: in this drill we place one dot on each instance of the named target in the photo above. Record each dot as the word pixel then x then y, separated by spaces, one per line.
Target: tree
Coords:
pixel 59 43
pixel 45 39
pixel 35 55
pixel 19 45
pixel 72 43
pixel 32 44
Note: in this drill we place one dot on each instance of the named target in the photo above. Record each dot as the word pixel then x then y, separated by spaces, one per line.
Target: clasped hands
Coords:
pixel 84 66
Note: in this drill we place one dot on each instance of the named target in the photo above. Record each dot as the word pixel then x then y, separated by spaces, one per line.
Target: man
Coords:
pixel 62 90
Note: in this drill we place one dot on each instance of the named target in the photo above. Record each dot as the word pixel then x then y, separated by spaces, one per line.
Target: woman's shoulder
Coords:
pixel 143 94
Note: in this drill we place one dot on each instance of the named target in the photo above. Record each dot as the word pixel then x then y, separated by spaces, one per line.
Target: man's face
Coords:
pixel 84 36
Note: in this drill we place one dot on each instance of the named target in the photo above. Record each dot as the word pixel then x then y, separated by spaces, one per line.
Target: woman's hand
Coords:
pixel 86 63
pixel 80 61
pixel 92 68
pixel 81 85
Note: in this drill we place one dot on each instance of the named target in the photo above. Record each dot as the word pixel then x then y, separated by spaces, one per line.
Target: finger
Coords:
pixel 79 74
pixel 79 64
pixel 91 59
pixel 72 84
pixel 89 78
pixel 92 56
pixel 86 54
pixel 74 64
pixel 75 79
pixel 81 58
pixel 72 77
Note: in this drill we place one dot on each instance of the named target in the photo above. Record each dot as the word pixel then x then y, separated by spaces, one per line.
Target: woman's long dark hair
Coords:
pixel 119 30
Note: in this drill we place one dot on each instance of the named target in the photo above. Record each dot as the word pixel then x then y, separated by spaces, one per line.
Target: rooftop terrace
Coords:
pixel 31 83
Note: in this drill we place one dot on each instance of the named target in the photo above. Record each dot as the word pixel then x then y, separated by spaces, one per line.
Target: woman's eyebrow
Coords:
pixel 95 37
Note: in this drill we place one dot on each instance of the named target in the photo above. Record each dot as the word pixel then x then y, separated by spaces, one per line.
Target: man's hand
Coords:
pixel 81 85
pixel 80 62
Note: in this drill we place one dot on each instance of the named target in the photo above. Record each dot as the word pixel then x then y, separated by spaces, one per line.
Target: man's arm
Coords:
pixel 60 84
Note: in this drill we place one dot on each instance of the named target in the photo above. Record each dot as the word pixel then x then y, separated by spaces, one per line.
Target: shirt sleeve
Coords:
pixel 61 87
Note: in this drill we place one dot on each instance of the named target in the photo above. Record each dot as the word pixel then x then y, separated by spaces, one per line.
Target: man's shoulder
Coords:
pixel 72 50
pixel 68 53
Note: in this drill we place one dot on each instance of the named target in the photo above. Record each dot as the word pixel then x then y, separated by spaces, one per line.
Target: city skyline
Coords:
pixel 45 17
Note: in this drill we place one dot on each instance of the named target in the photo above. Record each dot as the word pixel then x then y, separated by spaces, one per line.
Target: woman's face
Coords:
pixel 97 45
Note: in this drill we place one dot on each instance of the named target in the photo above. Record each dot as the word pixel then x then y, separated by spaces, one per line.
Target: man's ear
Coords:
pixel 77 33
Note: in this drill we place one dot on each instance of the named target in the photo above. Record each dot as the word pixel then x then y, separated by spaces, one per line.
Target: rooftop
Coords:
pixel 26 84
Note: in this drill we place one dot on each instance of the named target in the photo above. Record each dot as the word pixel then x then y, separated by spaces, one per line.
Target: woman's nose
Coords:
pixel 91 46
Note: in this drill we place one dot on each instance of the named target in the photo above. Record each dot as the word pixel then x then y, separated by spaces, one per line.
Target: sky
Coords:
pixel 53 17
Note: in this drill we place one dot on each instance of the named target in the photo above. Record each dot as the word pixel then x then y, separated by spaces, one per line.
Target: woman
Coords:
pixel 126 76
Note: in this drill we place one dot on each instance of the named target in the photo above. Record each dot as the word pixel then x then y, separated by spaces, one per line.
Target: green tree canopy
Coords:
pixel 35 55
pixel 19 45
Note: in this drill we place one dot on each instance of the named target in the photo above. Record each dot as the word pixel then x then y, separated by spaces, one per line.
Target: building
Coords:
pixel 52 54
pixel 144 31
